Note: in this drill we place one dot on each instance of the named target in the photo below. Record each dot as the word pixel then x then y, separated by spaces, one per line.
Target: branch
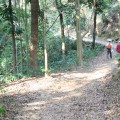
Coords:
pixel 84 34
pixel 52 24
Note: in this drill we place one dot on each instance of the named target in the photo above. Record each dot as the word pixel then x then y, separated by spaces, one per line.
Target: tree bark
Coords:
pixel 34 37
pixel 78 35
pixel 44 18
pixel 62 27
pixel 13 38
pixel 21 55
pixel 94 29
pixel 62 35
pixel 45 45
pixel 26 37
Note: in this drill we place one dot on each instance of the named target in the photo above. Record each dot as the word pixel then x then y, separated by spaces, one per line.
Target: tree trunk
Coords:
pixel 13 38
pixel 62 27
pixel 45 45
pixel 44 17
pixel 21 55
pixel 94 29
pixel 62 35
pixel 26 37
pixel 78 35
pixel 34 37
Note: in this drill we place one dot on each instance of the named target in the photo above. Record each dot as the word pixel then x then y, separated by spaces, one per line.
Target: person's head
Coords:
pixel 109 40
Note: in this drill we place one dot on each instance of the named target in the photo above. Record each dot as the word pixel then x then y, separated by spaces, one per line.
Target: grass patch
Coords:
pixel 2 110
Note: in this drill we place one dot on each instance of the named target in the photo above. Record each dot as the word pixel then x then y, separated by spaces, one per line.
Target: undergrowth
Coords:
pixel 2 110
pixel 55 60
pixel 71 57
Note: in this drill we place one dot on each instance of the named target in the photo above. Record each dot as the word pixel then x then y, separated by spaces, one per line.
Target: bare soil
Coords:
pixel 85 93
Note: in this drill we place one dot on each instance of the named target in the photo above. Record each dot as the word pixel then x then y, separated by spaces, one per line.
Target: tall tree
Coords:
pixel 95 17
pixel 34 36
pixel 45 42
pixel 60 11
pixel 99 6
pixel 26 35
pixel 13 37
pixel 78 34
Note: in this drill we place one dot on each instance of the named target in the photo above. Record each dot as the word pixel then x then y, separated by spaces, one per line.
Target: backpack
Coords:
pixel 109 45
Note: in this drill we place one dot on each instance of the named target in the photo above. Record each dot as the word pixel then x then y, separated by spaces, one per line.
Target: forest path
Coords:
pixel 75 95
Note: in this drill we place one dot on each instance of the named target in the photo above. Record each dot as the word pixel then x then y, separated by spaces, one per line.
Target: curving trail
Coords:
pixel 76 95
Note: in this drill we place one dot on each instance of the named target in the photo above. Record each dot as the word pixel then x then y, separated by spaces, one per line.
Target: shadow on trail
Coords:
pixel 112 93
pixel 85 101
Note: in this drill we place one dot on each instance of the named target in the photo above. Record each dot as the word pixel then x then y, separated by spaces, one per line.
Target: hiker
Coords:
pixel 118 47
pixel 109 49
pixel 118 51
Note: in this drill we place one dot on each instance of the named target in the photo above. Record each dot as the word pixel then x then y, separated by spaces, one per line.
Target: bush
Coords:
pixel 88 52
pixel 117 57
pixel 71 57
pixel 2 110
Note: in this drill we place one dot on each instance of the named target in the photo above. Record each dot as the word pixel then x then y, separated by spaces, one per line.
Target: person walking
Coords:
pixel 118 52
pixel 109 49
pixel 118 47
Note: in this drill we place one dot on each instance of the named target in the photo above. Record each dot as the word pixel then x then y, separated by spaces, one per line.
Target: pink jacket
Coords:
pixel 118 48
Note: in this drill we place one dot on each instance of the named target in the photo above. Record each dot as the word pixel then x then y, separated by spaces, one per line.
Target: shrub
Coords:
pixel 2 110
pixel 118 58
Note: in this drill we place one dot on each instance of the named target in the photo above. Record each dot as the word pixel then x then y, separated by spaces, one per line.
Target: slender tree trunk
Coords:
pixel 62 35
pixel 26 37
pixel 21 49
pixel 45 42
pixel 45 45
pixel 13 38
pixel 94 29
pixel 21 54
pixel 68 35
pixel 78 35
pixel 62 26
pixel 34 37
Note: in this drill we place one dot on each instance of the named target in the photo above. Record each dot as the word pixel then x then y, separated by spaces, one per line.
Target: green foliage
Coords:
pixel 89 52
pixel 82 22
pixel 2 110
pixel 101 5
pixel 4 12
pixel 18 30
pixel 5 19
pixel 7 78
pixel 53 41
pixel 6 58
pixel 55 58
pixel 69 16
pixel 54 49
pixel 117 57
pixel 70 62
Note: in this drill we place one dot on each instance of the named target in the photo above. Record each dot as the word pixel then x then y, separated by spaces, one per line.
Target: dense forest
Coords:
pixel 36 36
pixel 41 37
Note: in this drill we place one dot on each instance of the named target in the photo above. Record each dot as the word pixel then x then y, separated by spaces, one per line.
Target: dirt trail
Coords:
pixel 74 95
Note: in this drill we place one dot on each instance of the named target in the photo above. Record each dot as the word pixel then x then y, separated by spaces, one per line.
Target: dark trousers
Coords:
pixel 109 53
